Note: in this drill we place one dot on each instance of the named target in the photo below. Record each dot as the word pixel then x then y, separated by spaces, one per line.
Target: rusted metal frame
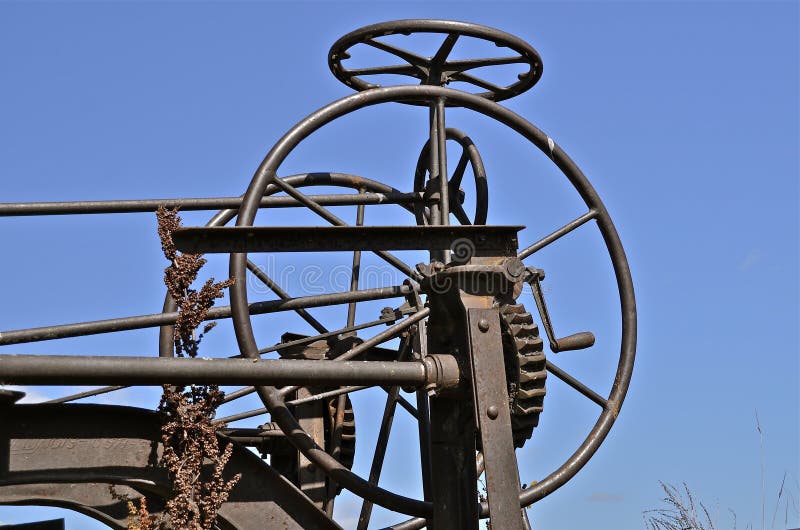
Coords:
pixel 441 141
pixel 334 220
pixel 62 370
pixel 336 450
pixel 558 234
pixel 338 238
pixel 380 453
pixel 163 319
pixel 120 444
pixel 306 340
pixel 21 209
pixel 385 335
pixel 412 94
pixel 494 418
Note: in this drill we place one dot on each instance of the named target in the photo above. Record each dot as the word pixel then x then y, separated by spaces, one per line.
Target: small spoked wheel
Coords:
pixel 437 70
pixel 469 155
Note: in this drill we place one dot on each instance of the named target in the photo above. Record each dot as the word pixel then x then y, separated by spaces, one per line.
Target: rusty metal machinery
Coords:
pixel 464 346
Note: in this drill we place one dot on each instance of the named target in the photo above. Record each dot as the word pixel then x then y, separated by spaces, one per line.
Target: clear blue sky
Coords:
pixel 684 115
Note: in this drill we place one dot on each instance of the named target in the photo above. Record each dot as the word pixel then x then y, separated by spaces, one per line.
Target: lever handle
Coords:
pixel 577 341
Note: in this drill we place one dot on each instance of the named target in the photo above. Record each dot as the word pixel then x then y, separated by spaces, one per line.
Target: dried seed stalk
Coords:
pixel 192 454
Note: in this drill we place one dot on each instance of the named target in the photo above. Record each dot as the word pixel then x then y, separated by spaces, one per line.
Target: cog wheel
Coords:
pixel 523 351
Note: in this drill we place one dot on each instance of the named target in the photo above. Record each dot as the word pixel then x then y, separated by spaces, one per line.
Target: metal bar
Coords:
pixel 88 393
pixel 380 453
pixel 441 139
pixel 334 220
pixel 61 370
pixel 561 232
pixel 283 295
pixel 356 269
pixel 164 319
pixel 494 418
pixel 21 209
pixel 577 385
pixel 226 239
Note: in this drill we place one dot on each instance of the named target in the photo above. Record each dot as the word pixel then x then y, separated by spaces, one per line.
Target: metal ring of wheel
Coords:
pixel 437 70
pixel 266 174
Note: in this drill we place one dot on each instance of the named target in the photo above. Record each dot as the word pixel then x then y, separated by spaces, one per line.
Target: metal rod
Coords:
pixel 356 269
pixel 334 220
pixel 163 319
pixel 61 370
pixel 441 139
pixel 18 209
pixel 88 393
pixel 283 295
pixel 380 453
pixel 561 232
pixel 577 385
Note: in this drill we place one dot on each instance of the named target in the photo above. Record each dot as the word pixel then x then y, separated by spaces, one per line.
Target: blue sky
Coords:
pixel 684 115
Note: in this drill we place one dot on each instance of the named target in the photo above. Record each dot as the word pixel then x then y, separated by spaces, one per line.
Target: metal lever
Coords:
pixel 577 341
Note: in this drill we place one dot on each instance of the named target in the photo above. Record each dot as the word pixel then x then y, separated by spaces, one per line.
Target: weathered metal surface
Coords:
pixel 475 273
pixel 70 370
pixel 341 238
pixel 79 444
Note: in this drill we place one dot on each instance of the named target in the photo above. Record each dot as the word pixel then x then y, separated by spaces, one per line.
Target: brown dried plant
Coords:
pixel 191 455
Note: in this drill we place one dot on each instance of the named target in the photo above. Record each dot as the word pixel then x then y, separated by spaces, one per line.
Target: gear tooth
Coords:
pixel 526 370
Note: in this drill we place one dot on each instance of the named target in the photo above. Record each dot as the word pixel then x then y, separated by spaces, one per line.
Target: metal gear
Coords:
pixel 526 373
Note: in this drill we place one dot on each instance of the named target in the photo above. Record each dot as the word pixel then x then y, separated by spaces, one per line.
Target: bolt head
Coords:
pixel 483 325
pixel 492 411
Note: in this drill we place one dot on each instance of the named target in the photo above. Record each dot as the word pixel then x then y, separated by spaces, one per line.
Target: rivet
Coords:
pixel 492 412
pixel 483 325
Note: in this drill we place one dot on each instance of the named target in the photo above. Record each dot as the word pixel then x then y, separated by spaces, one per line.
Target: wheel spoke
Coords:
pixel 283 295
pixel 557 234
pixel 334 220
pixel 380 453
pixel 356 269
pixel 469 64
pixel 410 57
pixel 398 69
pixel 444 50
pixel 477 81
pixel 577 385
pixel 461 167
pixel 461 215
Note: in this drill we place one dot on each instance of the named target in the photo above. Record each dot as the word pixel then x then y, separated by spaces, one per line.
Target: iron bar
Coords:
pixel 17 209
pixel 561 232
pixel 164 319
pixel 356 268
pixel 70 370
pixel 380 453
pixel 577 385
pixel 227 239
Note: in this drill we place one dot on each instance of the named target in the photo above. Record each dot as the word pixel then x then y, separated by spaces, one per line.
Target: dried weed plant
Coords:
pixel 192 454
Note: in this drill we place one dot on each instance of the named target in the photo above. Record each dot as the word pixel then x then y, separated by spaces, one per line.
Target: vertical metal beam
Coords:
pixel 494 418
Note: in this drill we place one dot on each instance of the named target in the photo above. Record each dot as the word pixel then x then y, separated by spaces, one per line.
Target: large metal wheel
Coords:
pixel 273 398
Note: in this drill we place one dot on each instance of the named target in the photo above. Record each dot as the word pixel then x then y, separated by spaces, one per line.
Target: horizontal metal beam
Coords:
pixel 63 370
pixel 154 320
pixel 344 238
pixel 194 204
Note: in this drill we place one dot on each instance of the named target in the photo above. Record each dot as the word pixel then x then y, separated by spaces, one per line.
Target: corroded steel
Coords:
pixel 468 349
